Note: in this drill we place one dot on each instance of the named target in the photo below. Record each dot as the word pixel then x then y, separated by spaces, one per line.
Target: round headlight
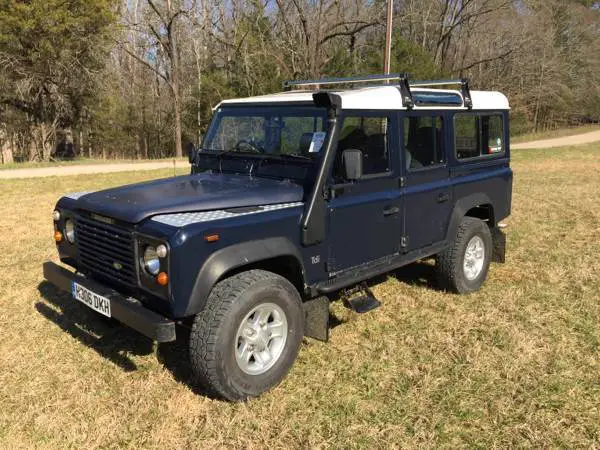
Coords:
pixel 151 262
pixel 70 231
pixel 56 215
pixel 161 251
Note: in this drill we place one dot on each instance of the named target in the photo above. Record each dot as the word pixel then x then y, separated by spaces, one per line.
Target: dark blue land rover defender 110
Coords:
pixel 293 197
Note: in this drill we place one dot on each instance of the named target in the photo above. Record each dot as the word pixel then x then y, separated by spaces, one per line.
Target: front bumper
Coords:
pixel 125 309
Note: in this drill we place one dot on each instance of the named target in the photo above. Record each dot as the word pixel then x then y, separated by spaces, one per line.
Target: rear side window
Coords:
pixel 478 135
pixel 423 141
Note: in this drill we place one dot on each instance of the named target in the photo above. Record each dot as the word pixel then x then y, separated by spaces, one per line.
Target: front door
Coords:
pixel 365 216
pixel 428 192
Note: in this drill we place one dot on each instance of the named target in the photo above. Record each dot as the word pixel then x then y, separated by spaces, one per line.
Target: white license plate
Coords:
pixel 91 299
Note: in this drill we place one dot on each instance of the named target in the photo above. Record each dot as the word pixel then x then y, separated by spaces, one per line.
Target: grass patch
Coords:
pixel 551 134
pixel 515 365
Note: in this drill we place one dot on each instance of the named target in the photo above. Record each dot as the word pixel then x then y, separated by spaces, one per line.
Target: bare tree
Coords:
pixel 160 38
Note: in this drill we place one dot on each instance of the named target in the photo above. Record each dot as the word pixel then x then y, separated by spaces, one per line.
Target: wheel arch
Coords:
pixel 478 206
pixel 483 212
pixel 278 255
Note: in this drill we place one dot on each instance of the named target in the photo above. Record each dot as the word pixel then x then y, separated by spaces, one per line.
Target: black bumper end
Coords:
pixel 126 310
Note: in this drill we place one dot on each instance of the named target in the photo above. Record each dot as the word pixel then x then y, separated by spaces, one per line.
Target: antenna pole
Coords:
pixel 388 38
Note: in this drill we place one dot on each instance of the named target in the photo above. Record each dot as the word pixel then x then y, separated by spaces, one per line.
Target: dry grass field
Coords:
pixel 516 364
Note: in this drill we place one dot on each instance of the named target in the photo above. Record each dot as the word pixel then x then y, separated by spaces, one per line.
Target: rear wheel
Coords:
pixel 463 266
pixel 248 335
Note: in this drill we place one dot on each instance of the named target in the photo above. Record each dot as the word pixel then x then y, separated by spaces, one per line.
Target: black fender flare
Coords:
pixel 461 207
pixel 234 257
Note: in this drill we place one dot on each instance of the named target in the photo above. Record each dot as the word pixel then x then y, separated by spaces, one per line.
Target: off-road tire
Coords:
pixel 212 349
pixel 449 263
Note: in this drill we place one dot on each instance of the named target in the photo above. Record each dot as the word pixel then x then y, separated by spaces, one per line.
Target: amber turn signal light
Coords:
pixel 57 236
pixel 211 237
pixel 162 278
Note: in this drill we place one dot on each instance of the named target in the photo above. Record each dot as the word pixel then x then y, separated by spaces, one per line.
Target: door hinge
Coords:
pixel 403 241
pixel 402 182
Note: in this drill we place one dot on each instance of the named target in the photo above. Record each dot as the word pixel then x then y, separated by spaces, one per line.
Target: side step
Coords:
pixel 360 299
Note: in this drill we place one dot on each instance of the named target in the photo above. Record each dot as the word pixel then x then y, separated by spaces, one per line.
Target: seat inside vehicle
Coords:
pixel 304 144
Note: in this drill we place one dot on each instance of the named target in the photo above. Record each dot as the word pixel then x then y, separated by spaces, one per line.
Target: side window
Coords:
pixel 493 134
pixel 423 141
pixel 370 135
pixel 478 135
pixel 466 136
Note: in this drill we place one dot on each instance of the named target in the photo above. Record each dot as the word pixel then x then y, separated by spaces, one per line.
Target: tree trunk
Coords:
pixel 539 94
pixel 196 48
pixel 80 150
pixel 145 146
pixel 33 153
pixel 138 147
pixel 5 146
pixel 45 141
pixel 175 77
pixel 177 136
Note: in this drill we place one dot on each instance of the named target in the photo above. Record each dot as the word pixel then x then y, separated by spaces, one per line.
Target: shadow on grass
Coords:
pixel 174 356
pixel 415 274
pixel 418 274
pixel 105 336
pixel 112 340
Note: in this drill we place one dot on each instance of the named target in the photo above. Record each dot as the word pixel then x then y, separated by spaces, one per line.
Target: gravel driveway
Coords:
pixel 87 168
pixel 584 138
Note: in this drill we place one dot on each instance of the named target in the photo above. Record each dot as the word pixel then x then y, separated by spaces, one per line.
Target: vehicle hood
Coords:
pixel 200 192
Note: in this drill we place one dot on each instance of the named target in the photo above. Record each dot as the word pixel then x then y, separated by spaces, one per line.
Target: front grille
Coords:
pixel 106 250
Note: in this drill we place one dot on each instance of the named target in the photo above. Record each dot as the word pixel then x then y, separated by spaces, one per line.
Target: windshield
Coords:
pixel 295 131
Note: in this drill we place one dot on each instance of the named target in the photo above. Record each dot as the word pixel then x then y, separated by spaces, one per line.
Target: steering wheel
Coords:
pixel 248 146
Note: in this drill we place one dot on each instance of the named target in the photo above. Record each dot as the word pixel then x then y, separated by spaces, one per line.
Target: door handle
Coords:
pixel 443 197
pixel 391 210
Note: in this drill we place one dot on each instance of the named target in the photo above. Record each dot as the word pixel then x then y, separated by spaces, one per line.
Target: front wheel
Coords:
pixel 248 335
pixel 463 266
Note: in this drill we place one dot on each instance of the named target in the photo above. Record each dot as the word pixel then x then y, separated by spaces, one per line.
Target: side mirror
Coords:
pixel 191 151
pixel 353 164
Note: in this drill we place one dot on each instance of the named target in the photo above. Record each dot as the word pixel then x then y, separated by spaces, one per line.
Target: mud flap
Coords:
pixel 499 245
pixel 316 318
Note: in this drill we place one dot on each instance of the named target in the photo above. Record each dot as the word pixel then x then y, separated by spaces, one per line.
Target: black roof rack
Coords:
pixel 401 78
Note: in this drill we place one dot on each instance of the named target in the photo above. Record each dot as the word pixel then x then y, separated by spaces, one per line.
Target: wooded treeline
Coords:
pixel 132 78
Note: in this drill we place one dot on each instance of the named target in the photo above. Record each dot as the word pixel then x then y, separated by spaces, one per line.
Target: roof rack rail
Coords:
pixel 401 78
pixel 288 84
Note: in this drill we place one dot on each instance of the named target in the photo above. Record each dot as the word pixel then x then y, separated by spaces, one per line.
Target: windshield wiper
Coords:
pixel 294 156
pixel 220 153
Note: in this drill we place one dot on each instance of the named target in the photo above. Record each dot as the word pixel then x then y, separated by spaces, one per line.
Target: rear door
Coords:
pixel 428 191
pixel 365 216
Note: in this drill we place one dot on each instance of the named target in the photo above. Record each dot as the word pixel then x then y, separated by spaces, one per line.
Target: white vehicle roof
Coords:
pixel 380 98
